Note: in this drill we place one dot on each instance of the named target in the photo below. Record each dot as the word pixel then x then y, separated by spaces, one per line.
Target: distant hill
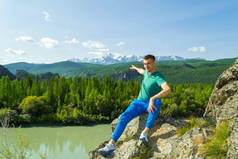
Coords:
pixel 5 72
pixel 59 67
pixel 47 75
pixel 175 71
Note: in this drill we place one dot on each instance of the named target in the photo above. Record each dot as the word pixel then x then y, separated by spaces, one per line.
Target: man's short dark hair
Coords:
pixel 149 57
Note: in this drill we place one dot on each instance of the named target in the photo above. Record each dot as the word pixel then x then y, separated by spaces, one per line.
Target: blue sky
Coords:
pixel 47 31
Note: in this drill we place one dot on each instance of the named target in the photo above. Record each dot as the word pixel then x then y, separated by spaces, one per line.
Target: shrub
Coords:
pixel 69 115
pixel 48 119
pixel 34 106
pixel 9 115
pixel 25 118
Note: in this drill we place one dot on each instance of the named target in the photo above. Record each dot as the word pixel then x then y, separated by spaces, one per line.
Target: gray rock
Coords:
pixel 168 145
pixel 225 88
pixel 233 140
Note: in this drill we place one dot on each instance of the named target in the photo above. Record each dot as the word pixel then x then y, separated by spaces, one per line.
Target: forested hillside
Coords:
pixel 5 72
pixel 88 100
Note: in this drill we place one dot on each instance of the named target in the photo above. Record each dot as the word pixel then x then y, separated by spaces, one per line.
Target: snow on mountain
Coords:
pixel 110 58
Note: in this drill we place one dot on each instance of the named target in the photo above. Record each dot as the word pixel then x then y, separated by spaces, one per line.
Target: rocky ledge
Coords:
pixel 164 143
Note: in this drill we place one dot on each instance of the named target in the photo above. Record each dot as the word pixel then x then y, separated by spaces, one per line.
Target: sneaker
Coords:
pixel 143 137
pixel 109 148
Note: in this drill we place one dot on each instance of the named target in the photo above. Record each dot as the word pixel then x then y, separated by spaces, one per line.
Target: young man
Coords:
pixel 154 86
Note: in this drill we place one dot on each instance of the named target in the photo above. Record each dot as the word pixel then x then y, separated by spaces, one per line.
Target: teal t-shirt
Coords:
pixel 151 85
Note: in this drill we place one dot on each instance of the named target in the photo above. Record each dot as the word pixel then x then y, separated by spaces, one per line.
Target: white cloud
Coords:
pixel 47 16
pixel 15 52
pixel 103 50
pixel 93 44
pixel 197 49
pixel 25 39
pixel 202 49
pixel 48 42
pixel 4 61
pixel 97 53
pixel 73 41
pixel 120 43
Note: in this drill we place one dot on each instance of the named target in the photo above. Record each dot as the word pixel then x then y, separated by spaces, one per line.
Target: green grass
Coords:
pixel 216 146
pixel 144 152
pixel 192 123
pixel 120 142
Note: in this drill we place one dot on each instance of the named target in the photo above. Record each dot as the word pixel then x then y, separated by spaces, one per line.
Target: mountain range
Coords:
pixel 175 71
pixel 110 58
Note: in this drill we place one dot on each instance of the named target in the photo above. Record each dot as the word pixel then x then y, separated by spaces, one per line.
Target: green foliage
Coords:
pixel 47 119
pixel 8 114
pixel 216 146
pixel 186 100
pixel 34 106
pixel 88 100
pixel 69 115
pixel 25 118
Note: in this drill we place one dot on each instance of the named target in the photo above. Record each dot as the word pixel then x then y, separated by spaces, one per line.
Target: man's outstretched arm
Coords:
pixel 139 70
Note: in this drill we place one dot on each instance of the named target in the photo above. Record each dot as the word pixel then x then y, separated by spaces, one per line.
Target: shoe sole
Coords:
pixel 106 152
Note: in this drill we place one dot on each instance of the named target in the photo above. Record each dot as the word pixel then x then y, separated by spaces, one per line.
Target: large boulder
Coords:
pixel 223 105
pixel 223 102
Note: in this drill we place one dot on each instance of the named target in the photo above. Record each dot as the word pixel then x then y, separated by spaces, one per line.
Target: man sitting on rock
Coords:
pixel 154 86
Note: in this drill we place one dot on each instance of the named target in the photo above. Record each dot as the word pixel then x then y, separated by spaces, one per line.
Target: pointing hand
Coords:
pixel 133 67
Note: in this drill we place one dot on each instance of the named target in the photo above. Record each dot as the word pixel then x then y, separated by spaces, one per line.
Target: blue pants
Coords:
pixel 136 108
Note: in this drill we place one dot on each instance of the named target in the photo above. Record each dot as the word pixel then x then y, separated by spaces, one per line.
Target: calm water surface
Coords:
pixel 70 142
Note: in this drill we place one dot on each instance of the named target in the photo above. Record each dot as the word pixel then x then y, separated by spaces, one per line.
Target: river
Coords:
pixel 58 142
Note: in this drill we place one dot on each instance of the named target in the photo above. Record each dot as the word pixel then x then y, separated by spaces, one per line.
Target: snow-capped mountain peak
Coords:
pixel 110 58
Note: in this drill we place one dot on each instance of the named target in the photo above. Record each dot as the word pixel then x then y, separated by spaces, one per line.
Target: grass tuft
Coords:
pixel 144 152
pixel 216 146
pixel 192 123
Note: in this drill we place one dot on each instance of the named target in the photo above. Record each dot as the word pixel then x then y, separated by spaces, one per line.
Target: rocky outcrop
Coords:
pixel 223 105
pixel 166 144
pixel 223 100
pixel 163 141
pixel 125 75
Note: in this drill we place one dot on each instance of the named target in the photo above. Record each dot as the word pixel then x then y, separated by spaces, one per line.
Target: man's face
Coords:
pixel 149 65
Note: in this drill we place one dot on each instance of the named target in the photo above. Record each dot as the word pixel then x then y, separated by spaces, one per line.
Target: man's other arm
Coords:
pixel 165 91
pixel 139 70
